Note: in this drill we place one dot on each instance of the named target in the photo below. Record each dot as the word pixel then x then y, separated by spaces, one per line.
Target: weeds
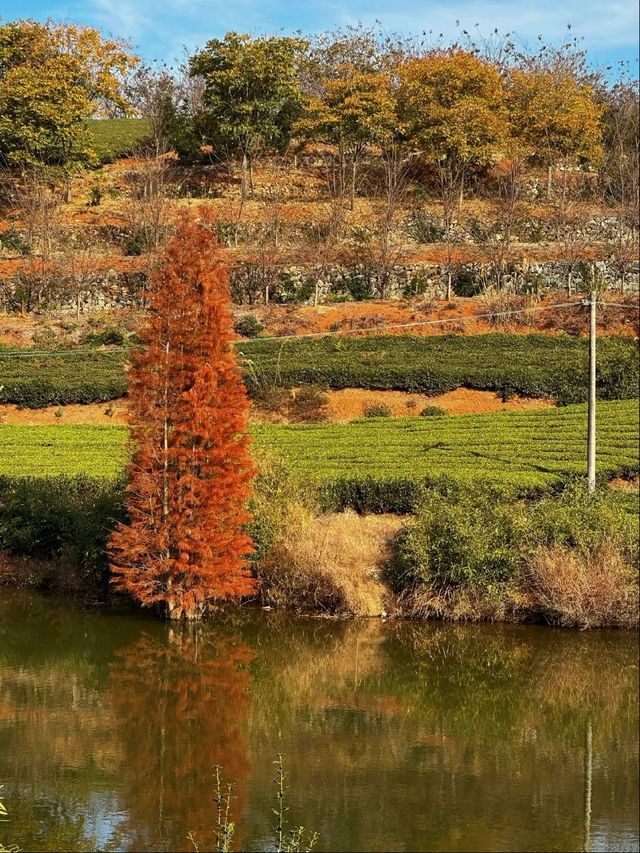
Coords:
pixel 285 839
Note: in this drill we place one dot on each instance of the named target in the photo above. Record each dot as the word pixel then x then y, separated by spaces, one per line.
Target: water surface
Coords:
pixel 396 736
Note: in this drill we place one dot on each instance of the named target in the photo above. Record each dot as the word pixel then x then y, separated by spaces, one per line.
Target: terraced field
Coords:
pixel 116 137
pixel 530 365
pixel 525 449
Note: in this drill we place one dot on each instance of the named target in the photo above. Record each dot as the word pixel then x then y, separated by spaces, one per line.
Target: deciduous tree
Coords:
pixel 53 77
pixel 184 545
pixel 251 95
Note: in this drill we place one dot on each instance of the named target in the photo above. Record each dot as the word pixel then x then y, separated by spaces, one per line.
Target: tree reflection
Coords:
pixel 181 707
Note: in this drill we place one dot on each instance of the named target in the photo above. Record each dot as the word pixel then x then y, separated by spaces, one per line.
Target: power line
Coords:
pixel 336 332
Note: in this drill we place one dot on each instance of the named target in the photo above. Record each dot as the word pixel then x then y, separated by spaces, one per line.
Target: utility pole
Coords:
pixel 591 414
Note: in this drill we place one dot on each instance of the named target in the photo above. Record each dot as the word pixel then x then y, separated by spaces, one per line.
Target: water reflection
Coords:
pixel 397 736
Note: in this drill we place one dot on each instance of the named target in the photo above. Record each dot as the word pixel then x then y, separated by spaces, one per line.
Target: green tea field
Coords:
pixel 525 449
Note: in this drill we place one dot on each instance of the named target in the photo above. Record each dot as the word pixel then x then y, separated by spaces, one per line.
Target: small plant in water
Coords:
pixel 292 840
pixel 4 818
pixel 285 840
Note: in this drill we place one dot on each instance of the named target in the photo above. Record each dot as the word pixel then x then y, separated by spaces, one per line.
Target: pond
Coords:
pixel 395 735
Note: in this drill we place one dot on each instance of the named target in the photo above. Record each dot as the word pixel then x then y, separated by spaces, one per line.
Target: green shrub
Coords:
pixel 468 538
pixel 433 412
pixel 577 519
pixel 377 410
pixel 13 240
pixel 465 282
pixel 309 405
pixel 424 227
pixel 67 518
pixel 111 336
pixel 248 326
pixel 480 537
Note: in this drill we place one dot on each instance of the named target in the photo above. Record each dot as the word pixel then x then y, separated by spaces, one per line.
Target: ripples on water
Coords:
pixel 396 736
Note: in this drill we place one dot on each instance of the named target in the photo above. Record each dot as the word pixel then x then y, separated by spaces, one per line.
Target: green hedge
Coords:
pixel 67 518
pixel 530 365
pixel 37 381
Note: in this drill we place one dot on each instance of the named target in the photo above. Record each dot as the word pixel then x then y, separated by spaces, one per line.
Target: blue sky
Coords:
pixel 160 29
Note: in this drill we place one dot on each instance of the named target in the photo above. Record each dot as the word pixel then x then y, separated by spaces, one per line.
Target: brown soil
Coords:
pixel 343 406
pixel 114 412
pixel 350 403
pixel 621 485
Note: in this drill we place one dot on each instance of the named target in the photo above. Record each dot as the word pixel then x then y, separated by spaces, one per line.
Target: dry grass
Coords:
pixel 329 563
pixel 584 591
pixel 494 306
pixel 502 604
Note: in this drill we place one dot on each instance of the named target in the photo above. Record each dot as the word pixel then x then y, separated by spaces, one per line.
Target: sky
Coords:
pixel 161 29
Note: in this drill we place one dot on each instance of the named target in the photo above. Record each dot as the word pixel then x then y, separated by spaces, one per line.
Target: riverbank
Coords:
pixel 468 553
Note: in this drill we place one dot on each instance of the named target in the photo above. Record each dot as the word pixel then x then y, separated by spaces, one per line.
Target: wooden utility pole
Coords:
pixel 591 415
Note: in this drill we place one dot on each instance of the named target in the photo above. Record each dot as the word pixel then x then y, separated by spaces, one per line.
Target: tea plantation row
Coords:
pixel 375 464
pixel 530 365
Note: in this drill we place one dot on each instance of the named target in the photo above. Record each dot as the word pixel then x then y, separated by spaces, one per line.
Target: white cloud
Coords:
pixel 164 26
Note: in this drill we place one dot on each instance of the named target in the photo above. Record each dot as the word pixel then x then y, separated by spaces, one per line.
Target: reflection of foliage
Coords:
pixel 199 685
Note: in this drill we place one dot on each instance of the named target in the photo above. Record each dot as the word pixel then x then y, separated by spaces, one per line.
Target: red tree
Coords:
pixel 184 545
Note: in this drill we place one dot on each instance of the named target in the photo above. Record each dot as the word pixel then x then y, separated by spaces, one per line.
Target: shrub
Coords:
pixel 111 336
pixel 582 522
pixel 466 282
pixel 13 240
pixel 308 405
pixel 424 227
pixel 328 563
pixel 597 589
pixel 433 412
pixel 467 538
pixel 377 410
pixel 61 518
pixel 248 326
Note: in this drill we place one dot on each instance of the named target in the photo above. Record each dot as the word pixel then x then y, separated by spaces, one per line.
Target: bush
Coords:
pixel 377 410
pixel 424 227
pixel 308 405
pixel 433 412
pixel 582 522
pixel 467 538
pixel 328 563
pixel 61 518
pixel 466 283
pixel 111 336
pixel 570 558
pixel 248 326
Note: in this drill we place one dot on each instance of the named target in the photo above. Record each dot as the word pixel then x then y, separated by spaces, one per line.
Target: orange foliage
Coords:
pixel 181 703
pixel 184 545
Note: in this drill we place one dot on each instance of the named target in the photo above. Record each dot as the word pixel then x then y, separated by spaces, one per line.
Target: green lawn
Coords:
pixel 523 449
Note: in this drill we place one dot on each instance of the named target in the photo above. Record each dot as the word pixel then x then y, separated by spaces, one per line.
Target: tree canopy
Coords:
pixel 53 77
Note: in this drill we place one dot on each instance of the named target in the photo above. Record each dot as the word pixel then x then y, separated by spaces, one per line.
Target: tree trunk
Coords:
pixel 549 180
pixel 449 283
pixel 352 200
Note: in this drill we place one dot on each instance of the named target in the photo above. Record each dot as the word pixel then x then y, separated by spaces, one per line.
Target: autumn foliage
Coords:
pixel 184 545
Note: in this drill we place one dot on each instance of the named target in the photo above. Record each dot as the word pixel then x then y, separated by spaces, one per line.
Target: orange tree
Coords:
pixel 354 111
pixel 184 545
